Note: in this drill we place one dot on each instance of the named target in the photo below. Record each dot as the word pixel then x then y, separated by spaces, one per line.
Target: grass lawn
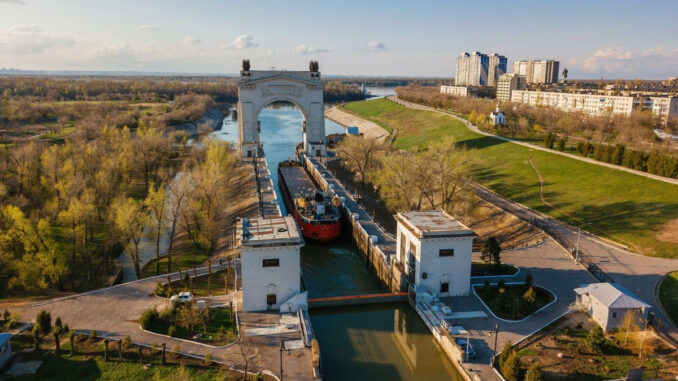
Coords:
pixel 668 295
pixel 199 286
pixel 621 206
pixel 180 260
pixel 210 332
pixel 88 363
pixel 510 304
pixel 486 269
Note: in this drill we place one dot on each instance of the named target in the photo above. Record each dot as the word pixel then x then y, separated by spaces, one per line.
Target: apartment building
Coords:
pixel 507 83
pixel 472 69
pixel 459 91
pixel 497 67
pixel 537 71
pixel 597 104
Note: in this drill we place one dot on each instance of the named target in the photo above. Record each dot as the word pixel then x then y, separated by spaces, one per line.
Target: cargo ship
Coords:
pixel 317 213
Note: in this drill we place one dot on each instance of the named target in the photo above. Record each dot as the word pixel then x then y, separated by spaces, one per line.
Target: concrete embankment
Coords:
pixel 367 128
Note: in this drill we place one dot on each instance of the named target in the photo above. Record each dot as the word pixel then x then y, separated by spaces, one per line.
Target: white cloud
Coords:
pixel 190 40
pixel 242 42
pixel 619 61
pixel 147 27
pixel 374 45
pixel 30 39
pixel 122 51
pixel 13 1
pixel 303 49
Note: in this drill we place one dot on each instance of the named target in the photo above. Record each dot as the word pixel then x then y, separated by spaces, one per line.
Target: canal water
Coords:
pixel 381 342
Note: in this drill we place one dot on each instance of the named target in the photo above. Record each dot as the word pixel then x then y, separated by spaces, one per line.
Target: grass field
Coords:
pixel 668 295
pixel 508 303
pixel 621 206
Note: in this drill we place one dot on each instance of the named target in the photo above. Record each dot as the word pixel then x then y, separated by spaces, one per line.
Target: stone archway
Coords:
pixel 258 89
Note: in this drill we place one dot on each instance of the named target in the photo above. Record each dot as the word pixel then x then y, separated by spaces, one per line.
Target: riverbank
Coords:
pixel 367 128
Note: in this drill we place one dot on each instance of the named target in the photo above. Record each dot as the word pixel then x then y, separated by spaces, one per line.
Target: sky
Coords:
pixel 593 39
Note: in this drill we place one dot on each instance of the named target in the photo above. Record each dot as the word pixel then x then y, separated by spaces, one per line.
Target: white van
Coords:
pixel 183 297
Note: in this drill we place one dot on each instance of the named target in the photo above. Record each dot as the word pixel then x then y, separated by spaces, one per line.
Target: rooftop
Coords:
pixel 612 295
pixel 433 223
pixel 269 231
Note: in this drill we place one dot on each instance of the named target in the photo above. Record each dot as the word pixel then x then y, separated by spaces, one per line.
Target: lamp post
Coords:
pixel 376 191
pixel 496 335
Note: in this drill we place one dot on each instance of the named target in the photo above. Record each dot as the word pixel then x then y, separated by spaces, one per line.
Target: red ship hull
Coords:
pixel 292 180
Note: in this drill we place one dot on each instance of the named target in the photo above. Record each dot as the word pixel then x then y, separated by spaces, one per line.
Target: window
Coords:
pixel 444 287
pixel 614 315
pixel 271 262
pixel 446 252
pixel 270 299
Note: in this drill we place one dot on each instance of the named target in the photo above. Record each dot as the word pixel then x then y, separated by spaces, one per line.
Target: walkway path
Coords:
pixel 638 273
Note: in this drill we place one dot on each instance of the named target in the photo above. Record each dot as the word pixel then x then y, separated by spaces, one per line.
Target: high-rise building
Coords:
pixel 497 67
pixel 507 83
pixel 537 71
pixel 472 69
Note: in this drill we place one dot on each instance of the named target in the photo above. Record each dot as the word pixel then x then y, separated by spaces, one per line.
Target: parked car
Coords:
pixel 466 348
pixel 183 297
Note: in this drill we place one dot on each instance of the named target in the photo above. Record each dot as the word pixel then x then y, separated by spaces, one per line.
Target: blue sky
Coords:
pixel 593 39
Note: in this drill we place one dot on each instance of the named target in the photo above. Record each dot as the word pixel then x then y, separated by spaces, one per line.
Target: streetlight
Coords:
pixel 376 192
pixel 496 335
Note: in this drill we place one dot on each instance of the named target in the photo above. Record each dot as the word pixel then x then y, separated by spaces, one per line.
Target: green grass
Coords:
pixel 183 261
pixel 510 304
pixel 488 269
pixel 88 364
pixel 219 317
pixel 200 285
pixel 668 295
pixel 620 206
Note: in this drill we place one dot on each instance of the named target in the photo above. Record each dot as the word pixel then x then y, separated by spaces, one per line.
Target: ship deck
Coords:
pixel 296 179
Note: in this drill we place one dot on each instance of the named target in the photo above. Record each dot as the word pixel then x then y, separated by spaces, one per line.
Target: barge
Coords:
pixel 318 213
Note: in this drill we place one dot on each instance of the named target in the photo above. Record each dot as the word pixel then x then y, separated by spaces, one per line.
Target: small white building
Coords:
pixel 5 348
pixel 498 117
pixel 271 268
pixel 608 303
pixel 435 252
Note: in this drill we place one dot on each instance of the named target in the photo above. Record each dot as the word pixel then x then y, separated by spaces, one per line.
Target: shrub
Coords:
pixel 505 352
pixel 595 339
pixel 93 335
pixel 567 331
pixel 5 316
pixel 511 367
pixel 534 373
pixel 126 341
pixel 176 349
pixel 172 331
pixel 58 323
pixel 149 318
pixel 530 296
pixel 208 358
pixel 65 328
pixel 44 321
pixel 159 289
pixel 501 283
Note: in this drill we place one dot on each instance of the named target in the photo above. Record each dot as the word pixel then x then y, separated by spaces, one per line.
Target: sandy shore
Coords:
pixel 369 129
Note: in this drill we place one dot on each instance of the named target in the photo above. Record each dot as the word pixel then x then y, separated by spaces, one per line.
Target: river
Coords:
pixel 384 342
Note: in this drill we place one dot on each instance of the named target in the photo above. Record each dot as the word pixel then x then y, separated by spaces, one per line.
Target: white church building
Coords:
pixel 271 267
pixel 435 252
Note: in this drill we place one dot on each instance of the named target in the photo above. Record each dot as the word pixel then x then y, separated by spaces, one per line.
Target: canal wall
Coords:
pixel 340 301
pixel 376 247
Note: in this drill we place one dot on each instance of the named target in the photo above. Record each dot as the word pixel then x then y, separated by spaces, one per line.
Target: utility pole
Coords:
pixel 577 253
pixel 282 347
pixel 496 335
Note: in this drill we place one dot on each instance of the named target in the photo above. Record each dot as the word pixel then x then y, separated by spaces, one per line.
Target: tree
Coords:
pixel 44 321
pixel 178 190
pixel 505 352
pixel 156 204
pixel 510 369
pixel 530 296
pixel 491 252
pixel 627 326
pixel 561 144
pixel 188 318
pixel 397 180
pixel 249 354
pixel 151 149
pixel 360 154
pixel 534 372
pixel 130 220
pixel 595 339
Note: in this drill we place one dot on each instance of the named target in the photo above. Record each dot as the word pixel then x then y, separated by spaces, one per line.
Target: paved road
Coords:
pixel 114 312
pixel 640 274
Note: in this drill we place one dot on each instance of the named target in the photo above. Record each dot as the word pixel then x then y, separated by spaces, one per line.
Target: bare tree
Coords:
pixel 360 153
pixel 249 354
